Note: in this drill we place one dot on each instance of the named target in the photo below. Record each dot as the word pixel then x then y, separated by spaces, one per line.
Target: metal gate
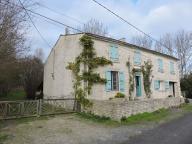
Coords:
pixel 28 108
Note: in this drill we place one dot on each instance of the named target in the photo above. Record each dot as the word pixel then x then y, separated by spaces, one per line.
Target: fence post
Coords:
pixel 5 110
pixel 40 107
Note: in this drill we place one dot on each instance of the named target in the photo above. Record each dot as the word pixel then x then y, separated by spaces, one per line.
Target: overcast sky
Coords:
pixel 155 17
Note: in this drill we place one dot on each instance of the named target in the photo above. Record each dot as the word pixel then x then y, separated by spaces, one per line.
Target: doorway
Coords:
pixel 138 85
pixel 172 88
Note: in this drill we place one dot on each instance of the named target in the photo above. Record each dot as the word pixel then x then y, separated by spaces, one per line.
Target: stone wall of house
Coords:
pixel 118 108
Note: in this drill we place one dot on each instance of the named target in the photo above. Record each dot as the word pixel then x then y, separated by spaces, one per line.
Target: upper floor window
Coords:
pixel 172 71
pixel 160 65
pixel 137 58
pixel 113 53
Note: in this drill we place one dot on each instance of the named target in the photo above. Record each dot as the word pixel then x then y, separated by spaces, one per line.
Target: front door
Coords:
pixel 138 85
pixel 172 88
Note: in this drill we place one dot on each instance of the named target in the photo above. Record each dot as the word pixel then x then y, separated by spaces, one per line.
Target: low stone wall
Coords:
pixel 118 108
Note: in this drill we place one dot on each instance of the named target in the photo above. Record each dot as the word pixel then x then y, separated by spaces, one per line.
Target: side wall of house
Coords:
pixel 57 79
pixel 125 54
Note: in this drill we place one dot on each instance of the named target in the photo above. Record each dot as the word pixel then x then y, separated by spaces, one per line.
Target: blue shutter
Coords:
pixel 114 55
pixel 156 84
pixel 108 78
pixel 121 82
pixel 160 65
pixel 172 68
pixel 137 58
pixel 166 85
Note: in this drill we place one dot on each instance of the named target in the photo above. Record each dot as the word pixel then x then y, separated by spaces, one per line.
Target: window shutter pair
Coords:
pixel 108 85
pixel 114 54
pixel 137 58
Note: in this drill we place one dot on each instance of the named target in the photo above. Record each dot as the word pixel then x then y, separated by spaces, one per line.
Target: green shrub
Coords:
pixel 119 95
pixel 186 100
pixel 123 119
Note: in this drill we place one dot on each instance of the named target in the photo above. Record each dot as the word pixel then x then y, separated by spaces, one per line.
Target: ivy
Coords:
pixel 131 80
pixel 90 61
pixel 147 71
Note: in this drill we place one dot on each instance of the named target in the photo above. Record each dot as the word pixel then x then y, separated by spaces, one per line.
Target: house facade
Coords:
pixel 58 81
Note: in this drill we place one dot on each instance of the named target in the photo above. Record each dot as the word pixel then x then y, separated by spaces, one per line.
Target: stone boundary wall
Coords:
pixel 117 108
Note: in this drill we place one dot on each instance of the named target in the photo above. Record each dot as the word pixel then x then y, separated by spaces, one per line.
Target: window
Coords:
pixel 157 84
pixel 172 71
pixel 160 65
pixel 166 85
pixel 114 54
pixel 115 81
pixel 137 58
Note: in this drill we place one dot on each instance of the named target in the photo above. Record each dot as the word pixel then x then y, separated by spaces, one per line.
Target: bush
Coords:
pixel 186 100
pixel 123 118
pixel 119 95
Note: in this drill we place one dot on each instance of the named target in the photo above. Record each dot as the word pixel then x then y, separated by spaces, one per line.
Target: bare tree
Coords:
pixel 142 41
pixel 166 44
pixel 32 75
pixel 95 27
pixel 13 27
pixel 183 45
pixel 39 53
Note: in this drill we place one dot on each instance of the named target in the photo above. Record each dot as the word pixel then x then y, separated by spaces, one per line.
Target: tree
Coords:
pixel 142 41
pixel 183 45
pixel 178 44
pixel 166 44
pixel 95 27
pixel 186 85
pixel 39 53
pixel 13 29
pixel 32 75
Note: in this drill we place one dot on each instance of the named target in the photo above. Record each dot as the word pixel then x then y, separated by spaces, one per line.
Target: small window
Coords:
pixel 160 65
pixel 114 80
pixel 114 54
pixel 172 71
pixel 157 84
pixel 137 58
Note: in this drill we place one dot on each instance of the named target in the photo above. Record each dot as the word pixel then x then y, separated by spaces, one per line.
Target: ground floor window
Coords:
pixel 114 80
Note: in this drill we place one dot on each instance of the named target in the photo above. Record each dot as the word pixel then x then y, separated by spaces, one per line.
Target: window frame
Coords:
pixel 116 74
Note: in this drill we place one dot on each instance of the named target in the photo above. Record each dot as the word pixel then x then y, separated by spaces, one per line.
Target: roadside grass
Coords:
pixel 155 116
pixel 18 94
pixel 98 119
pixel 186 107
pixel 3 137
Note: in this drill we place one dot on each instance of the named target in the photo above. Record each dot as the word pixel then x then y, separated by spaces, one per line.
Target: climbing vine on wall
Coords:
pixel 131 80
pixel 147 71
pixel 90 61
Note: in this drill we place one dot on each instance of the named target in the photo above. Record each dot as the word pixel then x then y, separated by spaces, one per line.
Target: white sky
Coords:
pixel 155 17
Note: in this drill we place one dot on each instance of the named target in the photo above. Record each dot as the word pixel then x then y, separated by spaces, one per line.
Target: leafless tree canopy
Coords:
pixel 13 28
pixel 95 27
pixel 31 75
pixel 142 41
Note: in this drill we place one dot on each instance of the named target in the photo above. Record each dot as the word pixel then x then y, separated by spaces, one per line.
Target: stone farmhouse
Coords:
pixel 58 81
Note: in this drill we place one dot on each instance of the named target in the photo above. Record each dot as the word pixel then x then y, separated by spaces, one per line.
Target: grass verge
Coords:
pixel 3 137
pixel 155 116
pixel 97 119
